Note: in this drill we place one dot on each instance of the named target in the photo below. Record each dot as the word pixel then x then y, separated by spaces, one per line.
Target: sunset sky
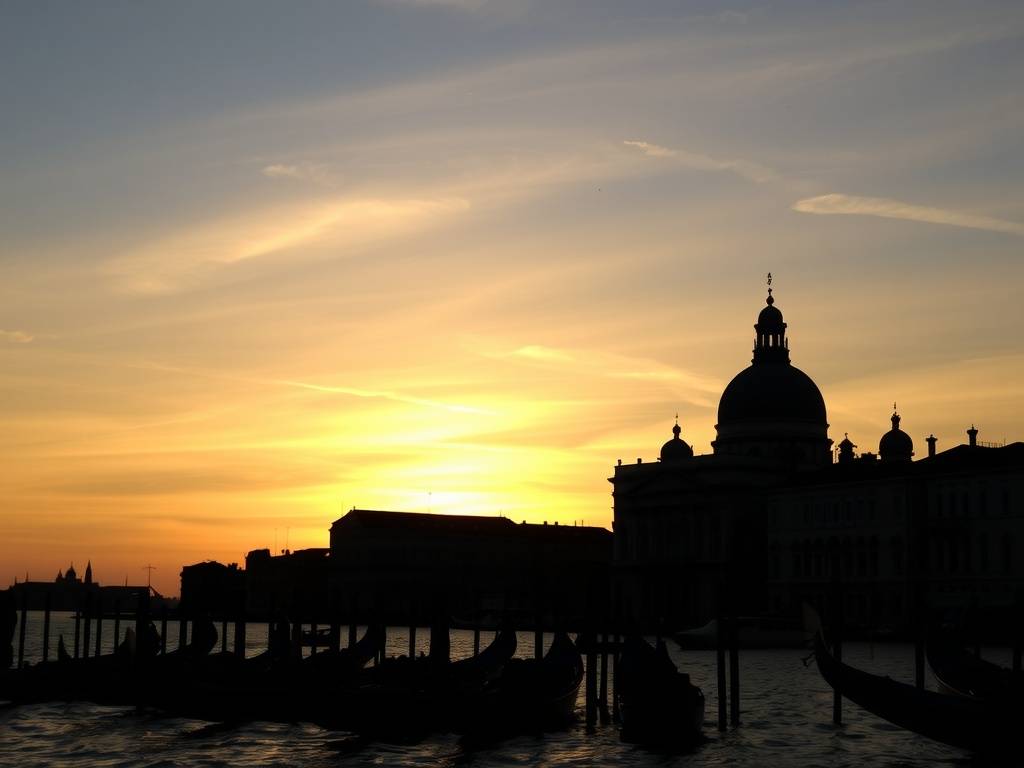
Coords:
pixel 263 262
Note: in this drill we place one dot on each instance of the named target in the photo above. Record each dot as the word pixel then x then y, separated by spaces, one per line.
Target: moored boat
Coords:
pixel 657 703
pixel 964 674
pixel 960 721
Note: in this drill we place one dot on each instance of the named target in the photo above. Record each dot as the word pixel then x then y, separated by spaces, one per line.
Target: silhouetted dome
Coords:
pixel 770 315
pixel 676 448
pixel 846 442
pixel 895 445
pixel 771 391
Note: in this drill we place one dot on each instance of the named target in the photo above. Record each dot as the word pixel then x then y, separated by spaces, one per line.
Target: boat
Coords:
pixel 529 695
pixel 964 674
pixel 657 703
pixel 969 723
pixel 407 698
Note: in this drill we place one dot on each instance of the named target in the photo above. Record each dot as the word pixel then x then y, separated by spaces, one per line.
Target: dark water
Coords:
pixel 786 712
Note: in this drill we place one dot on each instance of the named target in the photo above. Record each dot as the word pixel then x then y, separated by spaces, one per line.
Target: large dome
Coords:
pixel 772 409
pixel 771 391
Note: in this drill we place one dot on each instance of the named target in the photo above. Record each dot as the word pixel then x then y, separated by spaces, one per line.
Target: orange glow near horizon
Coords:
pixel 469 279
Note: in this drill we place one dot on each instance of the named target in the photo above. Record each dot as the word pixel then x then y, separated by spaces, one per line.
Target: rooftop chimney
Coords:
pixel 931 440
pixel 972 435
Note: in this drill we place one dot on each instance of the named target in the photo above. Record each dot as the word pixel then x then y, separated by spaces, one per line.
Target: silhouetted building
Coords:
pixel 411 565
pixel 67 592
pixel 291 584
pixel 212 588
pixel 770 518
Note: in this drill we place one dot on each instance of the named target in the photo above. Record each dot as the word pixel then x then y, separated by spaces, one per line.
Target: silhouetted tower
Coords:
pixel 846 447
pixel 88 572
pixel 931 440
pixel 895 445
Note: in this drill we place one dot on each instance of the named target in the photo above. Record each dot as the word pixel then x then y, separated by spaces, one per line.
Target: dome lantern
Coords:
pixel 770 342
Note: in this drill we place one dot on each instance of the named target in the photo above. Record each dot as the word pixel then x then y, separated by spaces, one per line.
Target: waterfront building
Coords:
pixel 773 516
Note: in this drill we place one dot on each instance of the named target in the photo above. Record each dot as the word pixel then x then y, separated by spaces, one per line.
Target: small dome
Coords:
pixel 895 445
pixel 676 448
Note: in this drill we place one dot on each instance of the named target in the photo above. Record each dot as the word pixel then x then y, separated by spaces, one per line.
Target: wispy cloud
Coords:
pixel 459 5
pixel 747 170
pixel 16 337
pixel 315 173
pixel 384 394
pixel 539 352
pixel 595 365
pixel 176 263
pixel 886 208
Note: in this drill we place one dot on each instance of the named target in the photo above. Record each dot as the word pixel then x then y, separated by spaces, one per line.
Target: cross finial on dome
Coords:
pixel 770 300
pixel 676 429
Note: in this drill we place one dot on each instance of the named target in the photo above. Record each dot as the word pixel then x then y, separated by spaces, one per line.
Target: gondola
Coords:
pixel 280 687
pixel 963 674
pixel 408 698
pixel 657 703
pixel 529 695
pixel 955 720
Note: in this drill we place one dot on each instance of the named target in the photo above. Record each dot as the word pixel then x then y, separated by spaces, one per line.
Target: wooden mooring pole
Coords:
pixel 163 628
pixel 78 627
pixel 224 635
pixel 99 626
pixel 720 666
pixel 591 691
pixel 182 629
pixel 46 627
pixel 734 670
pixel 837 640
pixel 87 619
pixel 117 622
pixel 240 631
pixel 615 674
pixel 21 629
pixel 602 700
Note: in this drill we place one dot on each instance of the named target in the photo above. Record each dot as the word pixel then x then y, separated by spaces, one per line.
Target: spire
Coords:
pixel 770 343
pixel 676 429
pixel 88 572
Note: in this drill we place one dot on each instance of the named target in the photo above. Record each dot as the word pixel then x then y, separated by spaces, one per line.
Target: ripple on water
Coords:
pixel 786 707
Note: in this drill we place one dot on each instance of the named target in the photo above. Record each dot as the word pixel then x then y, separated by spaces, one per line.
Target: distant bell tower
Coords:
pixel 88 572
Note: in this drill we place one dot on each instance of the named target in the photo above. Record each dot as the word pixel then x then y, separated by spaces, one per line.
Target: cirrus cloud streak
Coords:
pixel 886 208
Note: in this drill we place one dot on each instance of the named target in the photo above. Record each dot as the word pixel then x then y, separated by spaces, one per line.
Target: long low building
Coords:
pixel 408 564
pixel 404 567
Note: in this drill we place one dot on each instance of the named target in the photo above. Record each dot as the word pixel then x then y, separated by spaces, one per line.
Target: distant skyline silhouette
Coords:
pixel 463 256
